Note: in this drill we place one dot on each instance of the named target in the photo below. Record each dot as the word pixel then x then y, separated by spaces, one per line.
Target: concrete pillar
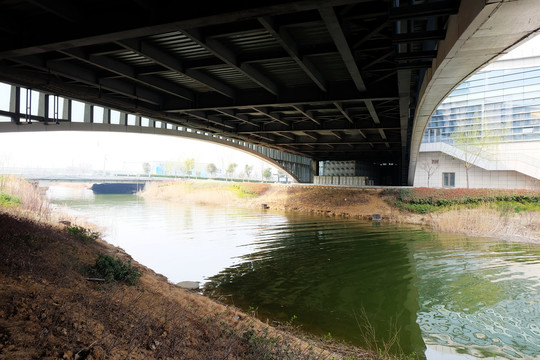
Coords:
pixel 66 111
pixel 43 106
pixel 138 120
pixel 14 103
pixel 106 116
pixel 123 118
pixel 55 107
pixel 88 113
pixel 315 167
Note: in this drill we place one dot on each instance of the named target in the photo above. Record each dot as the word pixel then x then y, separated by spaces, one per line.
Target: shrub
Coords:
pixel 85 235
pixel 243 191
pixel 422 200
pixel 114 269
pixel 421 208
pixel 8 200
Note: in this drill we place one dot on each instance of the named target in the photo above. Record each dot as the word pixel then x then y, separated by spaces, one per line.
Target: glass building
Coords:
pixel 491 121
pixel 503 104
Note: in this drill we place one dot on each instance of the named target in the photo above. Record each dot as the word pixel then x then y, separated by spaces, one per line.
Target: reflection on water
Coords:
pixel 452 297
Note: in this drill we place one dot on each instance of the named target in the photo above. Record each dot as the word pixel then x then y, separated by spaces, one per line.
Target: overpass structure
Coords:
pixel 299 168
pixel 319 79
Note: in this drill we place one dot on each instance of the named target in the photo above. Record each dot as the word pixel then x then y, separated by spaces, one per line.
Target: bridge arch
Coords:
pixel 297 167
pixel 477 35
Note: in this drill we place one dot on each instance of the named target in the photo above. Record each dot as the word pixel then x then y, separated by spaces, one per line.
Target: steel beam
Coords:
pixel 230 58
pixel 170 62
pixel 127 71
pixel 286 41
pixel 334 27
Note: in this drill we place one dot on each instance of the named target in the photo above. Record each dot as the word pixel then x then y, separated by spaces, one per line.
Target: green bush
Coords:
pixel 8 200
pixel 114 269
pixel 421 208
pixel 85 235
pixel 242 191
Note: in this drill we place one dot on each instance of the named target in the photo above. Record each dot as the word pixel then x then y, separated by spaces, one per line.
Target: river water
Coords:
pixel 449 296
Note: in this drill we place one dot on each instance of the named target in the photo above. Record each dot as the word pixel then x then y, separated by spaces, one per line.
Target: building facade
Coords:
pixel 486 133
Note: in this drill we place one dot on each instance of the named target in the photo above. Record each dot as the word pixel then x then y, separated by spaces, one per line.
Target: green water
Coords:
pixel 450 296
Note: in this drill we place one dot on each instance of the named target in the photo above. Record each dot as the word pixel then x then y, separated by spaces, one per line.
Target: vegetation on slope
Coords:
pixel 67 294
pixel 425 200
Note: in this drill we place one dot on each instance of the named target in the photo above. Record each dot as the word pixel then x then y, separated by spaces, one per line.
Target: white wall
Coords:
pixel 478 178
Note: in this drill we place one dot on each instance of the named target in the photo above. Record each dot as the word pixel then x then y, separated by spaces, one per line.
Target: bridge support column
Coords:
pixel 315 167
pixel 88 113
pixel 14 101
pixel 123 118
pixel 43 105
pixel 106 116
pixel 66 111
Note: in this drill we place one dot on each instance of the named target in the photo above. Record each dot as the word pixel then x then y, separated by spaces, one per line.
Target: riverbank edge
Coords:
pixel 50 309
pixel 357 203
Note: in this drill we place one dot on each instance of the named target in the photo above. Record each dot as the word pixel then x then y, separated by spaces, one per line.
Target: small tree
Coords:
pixel 267 173
pixel 189 165
pixel 147 168
pixel 430 167
pixel 473 141
pixel 211 169
pixel 247 170
pixel 231 168
pixel 172 167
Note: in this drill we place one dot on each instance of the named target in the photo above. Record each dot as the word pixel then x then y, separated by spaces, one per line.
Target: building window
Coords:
pixel 435 162
pixel 449 179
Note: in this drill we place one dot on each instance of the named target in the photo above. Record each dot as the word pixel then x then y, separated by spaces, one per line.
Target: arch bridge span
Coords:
pixel 299 168
pixel 326 80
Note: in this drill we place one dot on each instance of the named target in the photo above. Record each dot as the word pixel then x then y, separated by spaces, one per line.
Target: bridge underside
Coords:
pixel 329 80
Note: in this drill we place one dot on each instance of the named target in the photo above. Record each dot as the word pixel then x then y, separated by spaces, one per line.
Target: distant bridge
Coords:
pixel 95 179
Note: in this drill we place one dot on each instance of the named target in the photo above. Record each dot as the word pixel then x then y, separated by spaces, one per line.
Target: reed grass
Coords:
pixel 22 197
pixel 487 221
pixel 199 192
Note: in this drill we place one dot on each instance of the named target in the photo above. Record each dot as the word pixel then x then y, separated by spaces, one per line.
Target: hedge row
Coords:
pixel 448 197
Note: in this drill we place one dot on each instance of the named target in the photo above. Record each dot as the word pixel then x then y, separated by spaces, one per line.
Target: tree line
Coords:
pixel 188 165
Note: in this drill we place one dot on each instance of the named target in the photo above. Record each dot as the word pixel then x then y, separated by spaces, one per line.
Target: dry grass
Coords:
pixel 33 203
pixel 485 221
pixel 203 192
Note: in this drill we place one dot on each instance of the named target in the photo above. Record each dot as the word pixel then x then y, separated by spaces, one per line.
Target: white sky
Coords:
pixel 119 151
pixel 110 151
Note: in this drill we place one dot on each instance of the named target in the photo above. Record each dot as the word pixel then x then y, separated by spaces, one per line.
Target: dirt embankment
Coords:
pixel 483 220
pixel 49 310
